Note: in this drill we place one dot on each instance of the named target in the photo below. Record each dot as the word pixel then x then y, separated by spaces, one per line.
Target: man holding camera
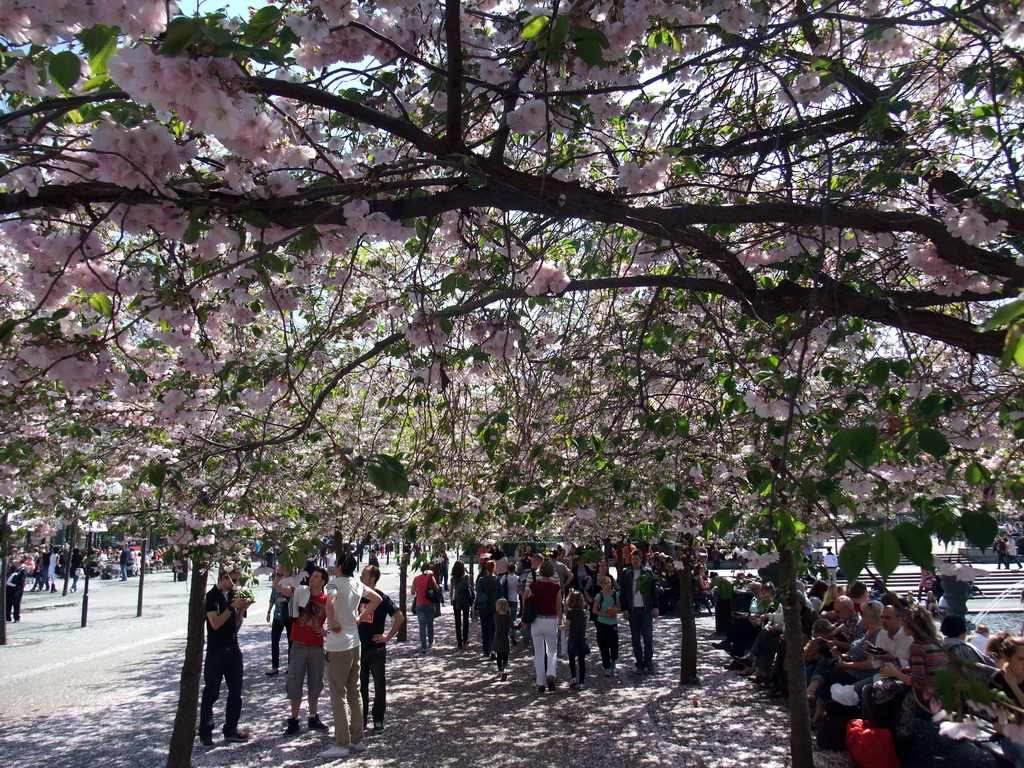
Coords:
pixel 224 615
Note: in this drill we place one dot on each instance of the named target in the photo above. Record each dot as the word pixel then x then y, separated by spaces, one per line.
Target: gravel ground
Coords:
pixel 448 708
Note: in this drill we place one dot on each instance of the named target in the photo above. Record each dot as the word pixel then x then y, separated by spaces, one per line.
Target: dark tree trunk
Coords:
pixel 403 590
pixel 688 625
pixel 67 561
pixel 800 724
pixel 142 576
pixel 183 736
pixel 4 557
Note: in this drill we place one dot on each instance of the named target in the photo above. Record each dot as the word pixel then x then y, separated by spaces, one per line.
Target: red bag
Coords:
pixel 871 746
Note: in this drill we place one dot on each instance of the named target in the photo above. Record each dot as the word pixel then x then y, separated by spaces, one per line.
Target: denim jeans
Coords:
pixel 372 661
pixel 220 665
pixel 425 618
pixel 462 625
pixel 275 640
pixel 641 627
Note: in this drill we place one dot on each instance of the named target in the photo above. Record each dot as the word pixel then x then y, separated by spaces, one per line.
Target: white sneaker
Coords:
pixel 356 746
pixel 335 751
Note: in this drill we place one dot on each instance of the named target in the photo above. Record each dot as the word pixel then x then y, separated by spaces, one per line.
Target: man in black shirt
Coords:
pixel 224 614
pixel 373 648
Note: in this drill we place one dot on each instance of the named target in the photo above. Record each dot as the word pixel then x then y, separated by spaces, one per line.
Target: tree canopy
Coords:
pixel 637 263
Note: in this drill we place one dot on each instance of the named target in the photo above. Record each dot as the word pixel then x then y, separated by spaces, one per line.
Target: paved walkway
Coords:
pixel 105 697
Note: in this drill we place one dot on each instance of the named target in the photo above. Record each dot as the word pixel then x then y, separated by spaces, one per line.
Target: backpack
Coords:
pixel 464 595
pixel 485 599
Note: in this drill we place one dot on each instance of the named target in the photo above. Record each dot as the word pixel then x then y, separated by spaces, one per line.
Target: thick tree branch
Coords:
pixel 453 37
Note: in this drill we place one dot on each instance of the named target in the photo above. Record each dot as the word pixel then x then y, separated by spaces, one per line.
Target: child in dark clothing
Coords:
pixel 500 644
pixel 576 624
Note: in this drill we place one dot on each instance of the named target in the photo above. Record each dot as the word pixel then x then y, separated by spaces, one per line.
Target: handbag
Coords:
pixel 432 594
pixel 529 609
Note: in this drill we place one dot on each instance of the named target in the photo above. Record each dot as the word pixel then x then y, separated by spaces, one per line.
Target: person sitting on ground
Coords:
pixel 816 594
pixel 1008 650
pixel 849 668
pixel 745 626
pixel 858 592
pixel 954 629
pixel 980 640
pixel 926 658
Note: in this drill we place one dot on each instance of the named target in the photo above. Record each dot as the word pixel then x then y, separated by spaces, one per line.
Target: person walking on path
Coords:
pixel 122 561
pixel 640 608
pixel 462 598
pixel 425 594
pixel 224 614
pixel 544 629
pixel 500 641
pixel 14 589
pixel 576 626
pixel 344 595
pixel 488 591
pixel 373 654
pixel 306 655
pixel 606 608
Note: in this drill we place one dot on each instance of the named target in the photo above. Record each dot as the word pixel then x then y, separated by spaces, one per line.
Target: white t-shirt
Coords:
pixel 348 591
pixel 898 645
pixel 330 558
pixel 638 599
pixel 512 587
pixel 831 560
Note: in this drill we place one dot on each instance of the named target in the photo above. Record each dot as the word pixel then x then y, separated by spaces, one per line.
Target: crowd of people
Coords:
pixel 338 624
pixel 45 567
pixel 868 654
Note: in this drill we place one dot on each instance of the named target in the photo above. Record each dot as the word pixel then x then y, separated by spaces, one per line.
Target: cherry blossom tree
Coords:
pixel 590 244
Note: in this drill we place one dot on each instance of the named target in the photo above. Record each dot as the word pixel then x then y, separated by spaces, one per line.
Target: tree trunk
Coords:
pixel 184 733
pixel 4 566
pixel 800 723
pixel 142 576
pixel 67 560
pixel 403 590
pixel 688 625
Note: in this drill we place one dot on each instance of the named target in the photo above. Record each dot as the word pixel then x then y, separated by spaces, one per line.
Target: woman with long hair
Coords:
pixel 548 591
pixel 461 598
pixel 423 606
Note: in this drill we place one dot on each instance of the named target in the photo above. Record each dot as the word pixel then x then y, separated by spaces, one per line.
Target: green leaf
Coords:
pixel 854 556
pixel 557 36
pixel 877 372
pixel 976 474
pixel 65 69
pixel 254 217
pixel 979 528
pixel 102 304
pixel 864 445
pixel 99 43
pixel 180 35
pixel 668 496
pixel 534 26
pixel 933 442
pixel 157 474
pixel 7 331
pixel 916 544
pixel 590 51
pixel 388 474
pixel 1005 314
